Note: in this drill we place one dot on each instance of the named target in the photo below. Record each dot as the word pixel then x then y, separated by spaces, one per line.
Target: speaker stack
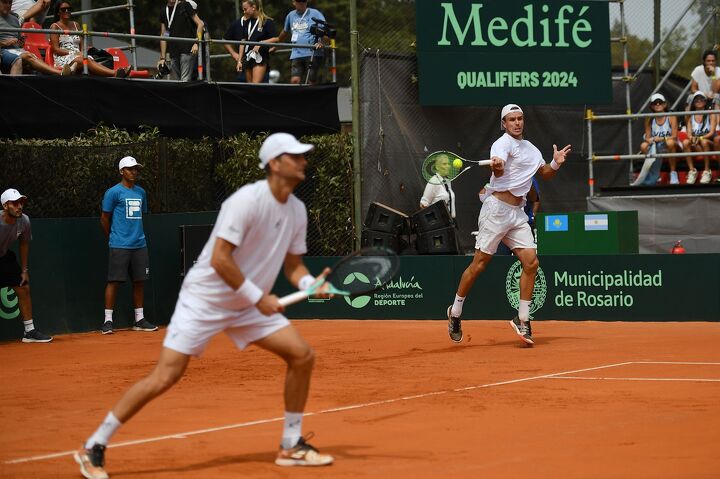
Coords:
pixel 384 227
pixel 434 231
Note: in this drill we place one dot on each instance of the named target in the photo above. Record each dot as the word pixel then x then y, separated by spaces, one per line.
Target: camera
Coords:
pixel 163 70
pixel 321 28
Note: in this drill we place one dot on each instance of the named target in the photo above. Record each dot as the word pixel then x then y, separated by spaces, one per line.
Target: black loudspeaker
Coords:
pixel 192 241
pixel 383 218
pixel 440 241
pixel 380 239
pixel 433 217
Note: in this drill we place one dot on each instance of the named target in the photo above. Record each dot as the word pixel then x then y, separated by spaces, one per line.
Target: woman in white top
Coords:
pixel 700 132
pixel 439 191
pixel 662 131
pixel 67 49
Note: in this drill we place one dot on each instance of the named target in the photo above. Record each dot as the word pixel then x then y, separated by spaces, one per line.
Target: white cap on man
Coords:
pixel 11 194
pixel 279 143
pixel 509 108
pixel 657 96
pixel 128 162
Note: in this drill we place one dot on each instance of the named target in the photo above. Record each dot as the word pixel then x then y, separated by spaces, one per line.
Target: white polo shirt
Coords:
pixel 264 231
pixel 522 160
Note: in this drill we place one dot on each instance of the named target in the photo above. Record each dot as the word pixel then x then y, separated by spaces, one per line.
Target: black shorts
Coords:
pixel 10 272
pixel 124 264
pixel 299 67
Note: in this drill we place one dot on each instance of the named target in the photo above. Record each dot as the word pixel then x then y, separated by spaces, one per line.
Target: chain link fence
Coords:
pixel 61 180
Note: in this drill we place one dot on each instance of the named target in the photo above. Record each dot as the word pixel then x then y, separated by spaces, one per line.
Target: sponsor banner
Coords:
pixel 596 222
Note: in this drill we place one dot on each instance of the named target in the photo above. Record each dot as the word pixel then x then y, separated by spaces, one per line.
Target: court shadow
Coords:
pixel 342 452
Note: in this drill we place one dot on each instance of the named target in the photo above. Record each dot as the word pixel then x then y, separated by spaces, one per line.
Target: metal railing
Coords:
pixel 590 117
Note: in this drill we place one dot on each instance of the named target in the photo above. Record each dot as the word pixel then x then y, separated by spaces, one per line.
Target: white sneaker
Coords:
pixel 692 175
pixel 706 177
pixel 674 178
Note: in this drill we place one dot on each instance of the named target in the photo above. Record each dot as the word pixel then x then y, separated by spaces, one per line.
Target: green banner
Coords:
pixel 513 51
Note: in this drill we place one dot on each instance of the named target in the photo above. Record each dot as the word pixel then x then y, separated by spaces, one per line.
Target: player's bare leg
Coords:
pixel 300 358
pixel 529 262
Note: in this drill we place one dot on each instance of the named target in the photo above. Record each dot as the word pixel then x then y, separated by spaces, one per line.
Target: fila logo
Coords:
pixel 133 209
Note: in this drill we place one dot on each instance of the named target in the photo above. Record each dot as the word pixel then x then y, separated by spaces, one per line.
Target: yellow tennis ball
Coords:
pixel 457 163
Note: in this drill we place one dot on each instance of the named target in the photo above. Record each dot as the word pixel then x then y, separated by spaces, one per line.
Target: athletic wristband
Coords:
pixel 305 282
pixel 554 165
pixel 249 291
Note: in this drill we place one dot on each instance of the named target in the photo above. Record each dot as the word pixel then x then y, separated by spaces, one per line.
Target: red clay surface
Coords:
pixel 643 413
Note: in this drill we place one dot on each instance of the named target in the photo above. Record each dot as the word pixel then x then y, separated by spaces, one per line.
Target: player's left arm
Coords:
pixel 24 257
pixel 548 170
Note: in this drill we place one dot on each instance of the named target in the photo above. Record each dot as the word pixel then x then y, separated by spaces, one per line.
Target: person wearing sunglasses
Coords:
pixel 14 59
pixel 661 134
pixel 67 49
pixel 700 132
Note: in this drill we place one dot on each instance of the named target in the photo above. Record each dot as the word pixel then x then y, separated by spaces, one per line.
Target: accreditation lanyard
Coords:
pixel 169 16
pixel 252 30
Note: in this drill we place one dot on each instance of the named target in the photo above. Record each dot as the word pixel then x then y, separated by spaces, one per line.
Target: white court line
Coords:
pixel 707 380
pixel 182 435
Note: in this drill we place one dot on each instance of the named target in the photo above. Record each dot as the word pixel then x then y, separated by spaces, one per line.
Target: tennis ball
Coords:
pixel 457 163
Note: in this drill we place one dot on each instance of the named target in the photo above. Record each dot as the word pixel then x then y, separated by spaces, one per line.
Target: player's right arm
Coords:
pixel 225 266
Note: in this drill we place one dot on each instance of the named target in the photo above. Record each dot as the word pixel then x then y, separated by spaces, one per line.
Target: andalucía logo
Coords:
pixel 512 288
pixel 8 304
pixel 359 301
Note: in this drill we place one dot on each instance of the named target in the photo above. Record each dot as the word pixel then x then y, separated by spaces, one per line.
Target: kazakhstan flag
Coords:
pixel 556 223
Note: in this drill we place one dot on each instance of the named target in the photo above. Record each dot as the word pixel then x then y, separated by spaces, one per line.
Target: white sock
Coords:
pixel 104 432
pixel 292 429
pixel 29 326
pixel 524 310
pixel 139 314
pixel 108 315
pixel 457 306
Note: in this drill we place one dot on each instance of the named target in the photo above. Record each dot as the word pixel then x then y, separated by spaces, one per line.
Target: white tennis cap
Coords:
pixel 509 108
pixel 697 94
pixel 128 162
pixel 657 96
pixel 279 143
pixel 11 194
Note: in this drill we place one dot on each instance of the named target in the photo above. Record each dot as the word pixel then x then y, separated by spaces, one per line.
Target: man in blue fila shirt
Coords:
pixel 122 210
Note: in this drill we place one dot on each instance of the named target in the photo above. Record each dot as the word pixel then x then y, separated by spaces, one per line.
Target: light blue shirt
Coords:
pixel 299 28
pixel 127 206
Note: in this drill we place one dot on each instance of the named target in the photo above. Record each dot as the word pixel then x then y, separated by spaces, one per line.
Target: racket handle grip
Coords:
pixel 293 298
pixel 484 162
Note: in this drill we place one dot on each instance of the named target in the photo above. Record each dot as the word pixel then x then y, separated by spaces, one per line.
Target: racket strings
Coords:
pixel 363 274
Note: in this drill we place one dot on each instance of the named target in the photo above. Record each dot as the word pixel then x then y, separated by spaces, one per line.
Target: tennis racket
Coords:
pixel 358 274
pixel 442 167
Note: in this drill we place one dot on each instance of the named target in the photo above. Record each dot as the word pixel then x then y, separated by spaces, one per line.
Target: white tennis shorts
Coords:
pixel 195 322
pixel 500 221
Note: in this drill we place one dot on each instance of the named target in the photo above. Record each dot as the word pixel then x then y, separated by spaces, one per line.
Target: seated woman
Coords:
pixel 67 49
pixel 253 60
pixel 700 132
pixel 661 131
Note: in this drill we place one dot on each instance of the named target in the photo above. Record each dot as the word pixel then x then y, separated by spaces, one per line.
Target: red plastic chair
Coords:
pixel 36 43
pixel 120 60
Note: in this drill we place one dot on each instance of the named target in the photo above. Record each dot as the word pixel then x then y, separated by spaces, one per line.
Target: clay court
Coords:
pixel 391 399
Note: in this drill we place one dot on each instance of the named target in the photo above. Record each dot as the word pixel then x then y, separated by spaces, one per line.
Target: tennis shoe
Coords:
pixel 674 180
pixel 706 177
pixel 303 454
pixel 691 176
pixel 144 325
pixel 92 462
pixel 35 336
pixel 107 327
pixel 454 326
pixel 523 329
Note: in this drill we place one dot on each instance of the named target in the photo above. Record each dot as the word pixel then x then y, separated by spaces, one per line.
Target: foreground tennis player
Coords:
pixel 514 163
pixel 260 228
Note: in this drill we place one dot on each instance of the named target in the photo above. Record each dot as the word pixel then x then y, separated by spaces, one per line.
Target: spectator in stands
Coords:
pixel 31 10
pixel 67 49
pixel 15 225
pixel 253 60
pixel 662 132
pixel 234 32
pixel 13 58
pixel 179 19
pixel 122 211
pixel 298 23
pixel 700 132
pixel 706 78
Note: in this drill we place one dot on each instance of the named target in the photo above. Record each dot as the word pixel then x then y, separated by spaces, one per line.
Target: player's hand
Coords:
pixel 322 291
pixel 497 166
pixel 560 155
pixel 269 304
pixel 24 278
